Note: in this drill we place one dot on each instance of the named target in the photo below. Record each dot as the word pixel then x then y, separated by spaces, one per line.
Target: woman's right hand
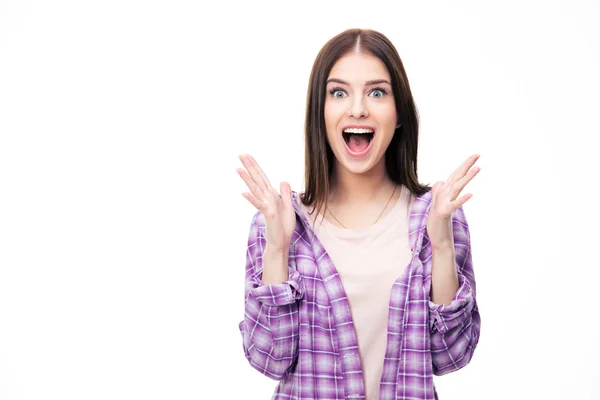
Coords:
pixel 278 210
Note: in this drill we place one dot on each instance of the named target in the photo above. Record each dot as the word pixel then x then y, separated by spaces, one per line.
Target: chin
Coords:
pixel 357 166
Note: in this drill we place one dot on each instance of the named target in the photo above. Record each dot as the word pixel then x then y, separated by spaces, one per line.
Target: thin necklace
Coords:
pixel 382 211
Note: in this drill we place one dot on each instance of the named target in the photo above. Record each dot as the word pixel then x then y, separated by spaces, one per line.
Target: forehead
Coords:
pixel 358 68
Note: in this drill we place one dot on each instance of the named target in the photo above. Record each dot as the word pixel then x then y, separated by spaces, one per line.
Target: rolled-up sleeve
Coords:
pixel 270 327
pixel 455 327
pixel 280 294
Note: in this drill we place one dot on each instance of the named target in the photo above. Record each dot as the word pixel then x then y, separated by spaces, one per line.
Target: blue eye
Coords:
pixel 337 93
pixel 377 93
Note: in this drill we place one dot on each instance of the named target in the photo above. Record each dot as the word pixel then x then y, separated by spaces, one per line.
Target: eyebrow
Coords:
pixel 368 83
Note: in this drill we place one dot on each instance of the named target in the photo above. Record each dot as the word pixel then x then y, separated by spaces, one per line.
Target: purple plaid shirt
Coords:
pixel 301 333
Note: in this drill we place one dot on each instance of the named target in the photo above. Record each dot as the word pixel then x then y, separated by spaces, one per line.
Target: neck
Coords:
pixel 350 188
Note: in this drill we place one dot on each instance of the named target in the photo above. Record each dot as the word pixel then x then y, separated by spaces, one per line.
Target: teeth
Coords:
pixel 358 130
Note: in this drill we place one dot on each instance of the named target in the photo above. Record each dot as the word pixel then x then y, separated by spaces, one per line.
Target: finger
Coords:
pixel 266 196
pixel 460 201
pixel 256 172
pixel 254 188
pixel 254 201
pixel 462 182
pixel 250 166
pixel 260 171
pixel 463 168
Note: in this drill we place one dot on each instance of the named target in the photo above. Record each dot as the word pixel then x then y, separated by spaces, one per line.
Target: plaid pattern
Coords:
pixel 301 333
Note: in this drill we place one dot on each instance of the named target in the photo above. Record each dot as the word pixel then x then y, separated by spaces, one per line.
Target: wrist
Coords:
pixel 277 250
pixel 275 265
pixel 443 246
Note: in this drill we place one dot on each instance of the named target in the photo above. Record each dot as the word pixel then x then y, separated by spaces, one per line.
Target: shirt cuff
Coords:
pixel 444 317
pixel 278 294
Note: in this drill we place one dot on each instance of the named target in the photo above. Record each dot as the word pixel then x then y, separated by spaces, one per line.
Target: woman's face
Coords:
pixel 360 113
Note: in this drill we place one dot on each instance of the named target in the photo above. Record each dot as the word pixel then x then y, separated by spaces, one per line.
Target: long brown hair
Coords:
pixel 400 156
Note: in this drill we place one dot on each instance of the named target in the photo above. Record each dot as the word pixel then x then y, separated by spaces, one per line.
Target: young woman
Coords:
pixel 362 286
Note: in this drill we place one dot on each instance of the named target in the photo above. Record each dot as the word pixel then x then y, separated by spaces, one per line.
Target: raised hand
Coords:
pixel 444 200
pixel 278 210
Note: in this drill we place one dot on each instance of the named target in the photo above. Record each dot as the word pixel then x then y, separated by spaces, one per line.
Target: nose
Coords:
pixel 357 108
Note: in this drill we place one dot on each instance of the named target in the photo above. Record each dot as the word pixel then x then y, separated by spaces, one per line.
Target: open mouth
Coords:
pixel 358 139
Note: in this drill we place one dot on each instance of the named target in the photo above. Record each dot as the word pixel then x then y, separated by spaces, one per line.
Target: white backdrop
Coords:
pixel 122 225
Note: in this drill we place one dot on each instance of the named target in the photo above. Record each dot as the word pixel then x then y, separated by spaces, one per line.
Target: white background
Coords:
pixel 122 225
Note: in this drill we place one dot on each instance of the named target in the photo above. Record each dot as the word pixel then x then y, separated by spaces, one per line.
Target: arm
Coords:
pixel 455 323
pixel 270 327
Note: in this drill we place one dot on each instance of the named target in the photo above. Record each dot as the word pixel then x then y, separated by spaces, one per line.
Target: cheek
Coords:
pixel 328 110
pixel 386 114
pixel 333 113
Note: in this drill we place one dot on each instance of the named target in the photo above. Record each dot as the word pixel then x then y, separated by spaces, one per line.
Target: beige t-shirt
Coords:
pixel 369 261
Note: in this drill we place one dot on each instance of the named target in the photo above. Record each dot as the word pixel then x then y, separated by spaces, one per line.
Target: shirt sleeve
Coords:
pixel 455 327
pixel 270 327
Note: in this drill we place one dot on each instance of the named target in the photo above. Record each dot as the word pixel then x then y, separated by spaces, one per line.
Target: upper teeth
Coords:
pixel 358 130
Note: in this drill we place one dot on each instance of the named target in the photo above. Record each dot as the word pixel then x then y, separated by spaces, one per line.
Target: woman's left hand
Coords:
pixel 444 201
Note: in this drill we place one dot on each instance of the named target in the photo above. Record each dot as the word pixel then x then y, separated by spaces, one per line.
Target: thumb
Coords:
pixel 286 193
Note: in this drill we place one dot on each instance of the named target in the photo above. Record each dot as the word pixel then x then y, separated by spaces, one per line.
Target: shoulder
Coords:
pixel 420 209
pixel 423 201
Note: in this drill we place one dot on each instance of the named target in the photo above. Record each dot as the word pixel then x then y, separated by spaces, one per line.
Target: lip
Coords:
pixel 360 126
pixel 365 151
